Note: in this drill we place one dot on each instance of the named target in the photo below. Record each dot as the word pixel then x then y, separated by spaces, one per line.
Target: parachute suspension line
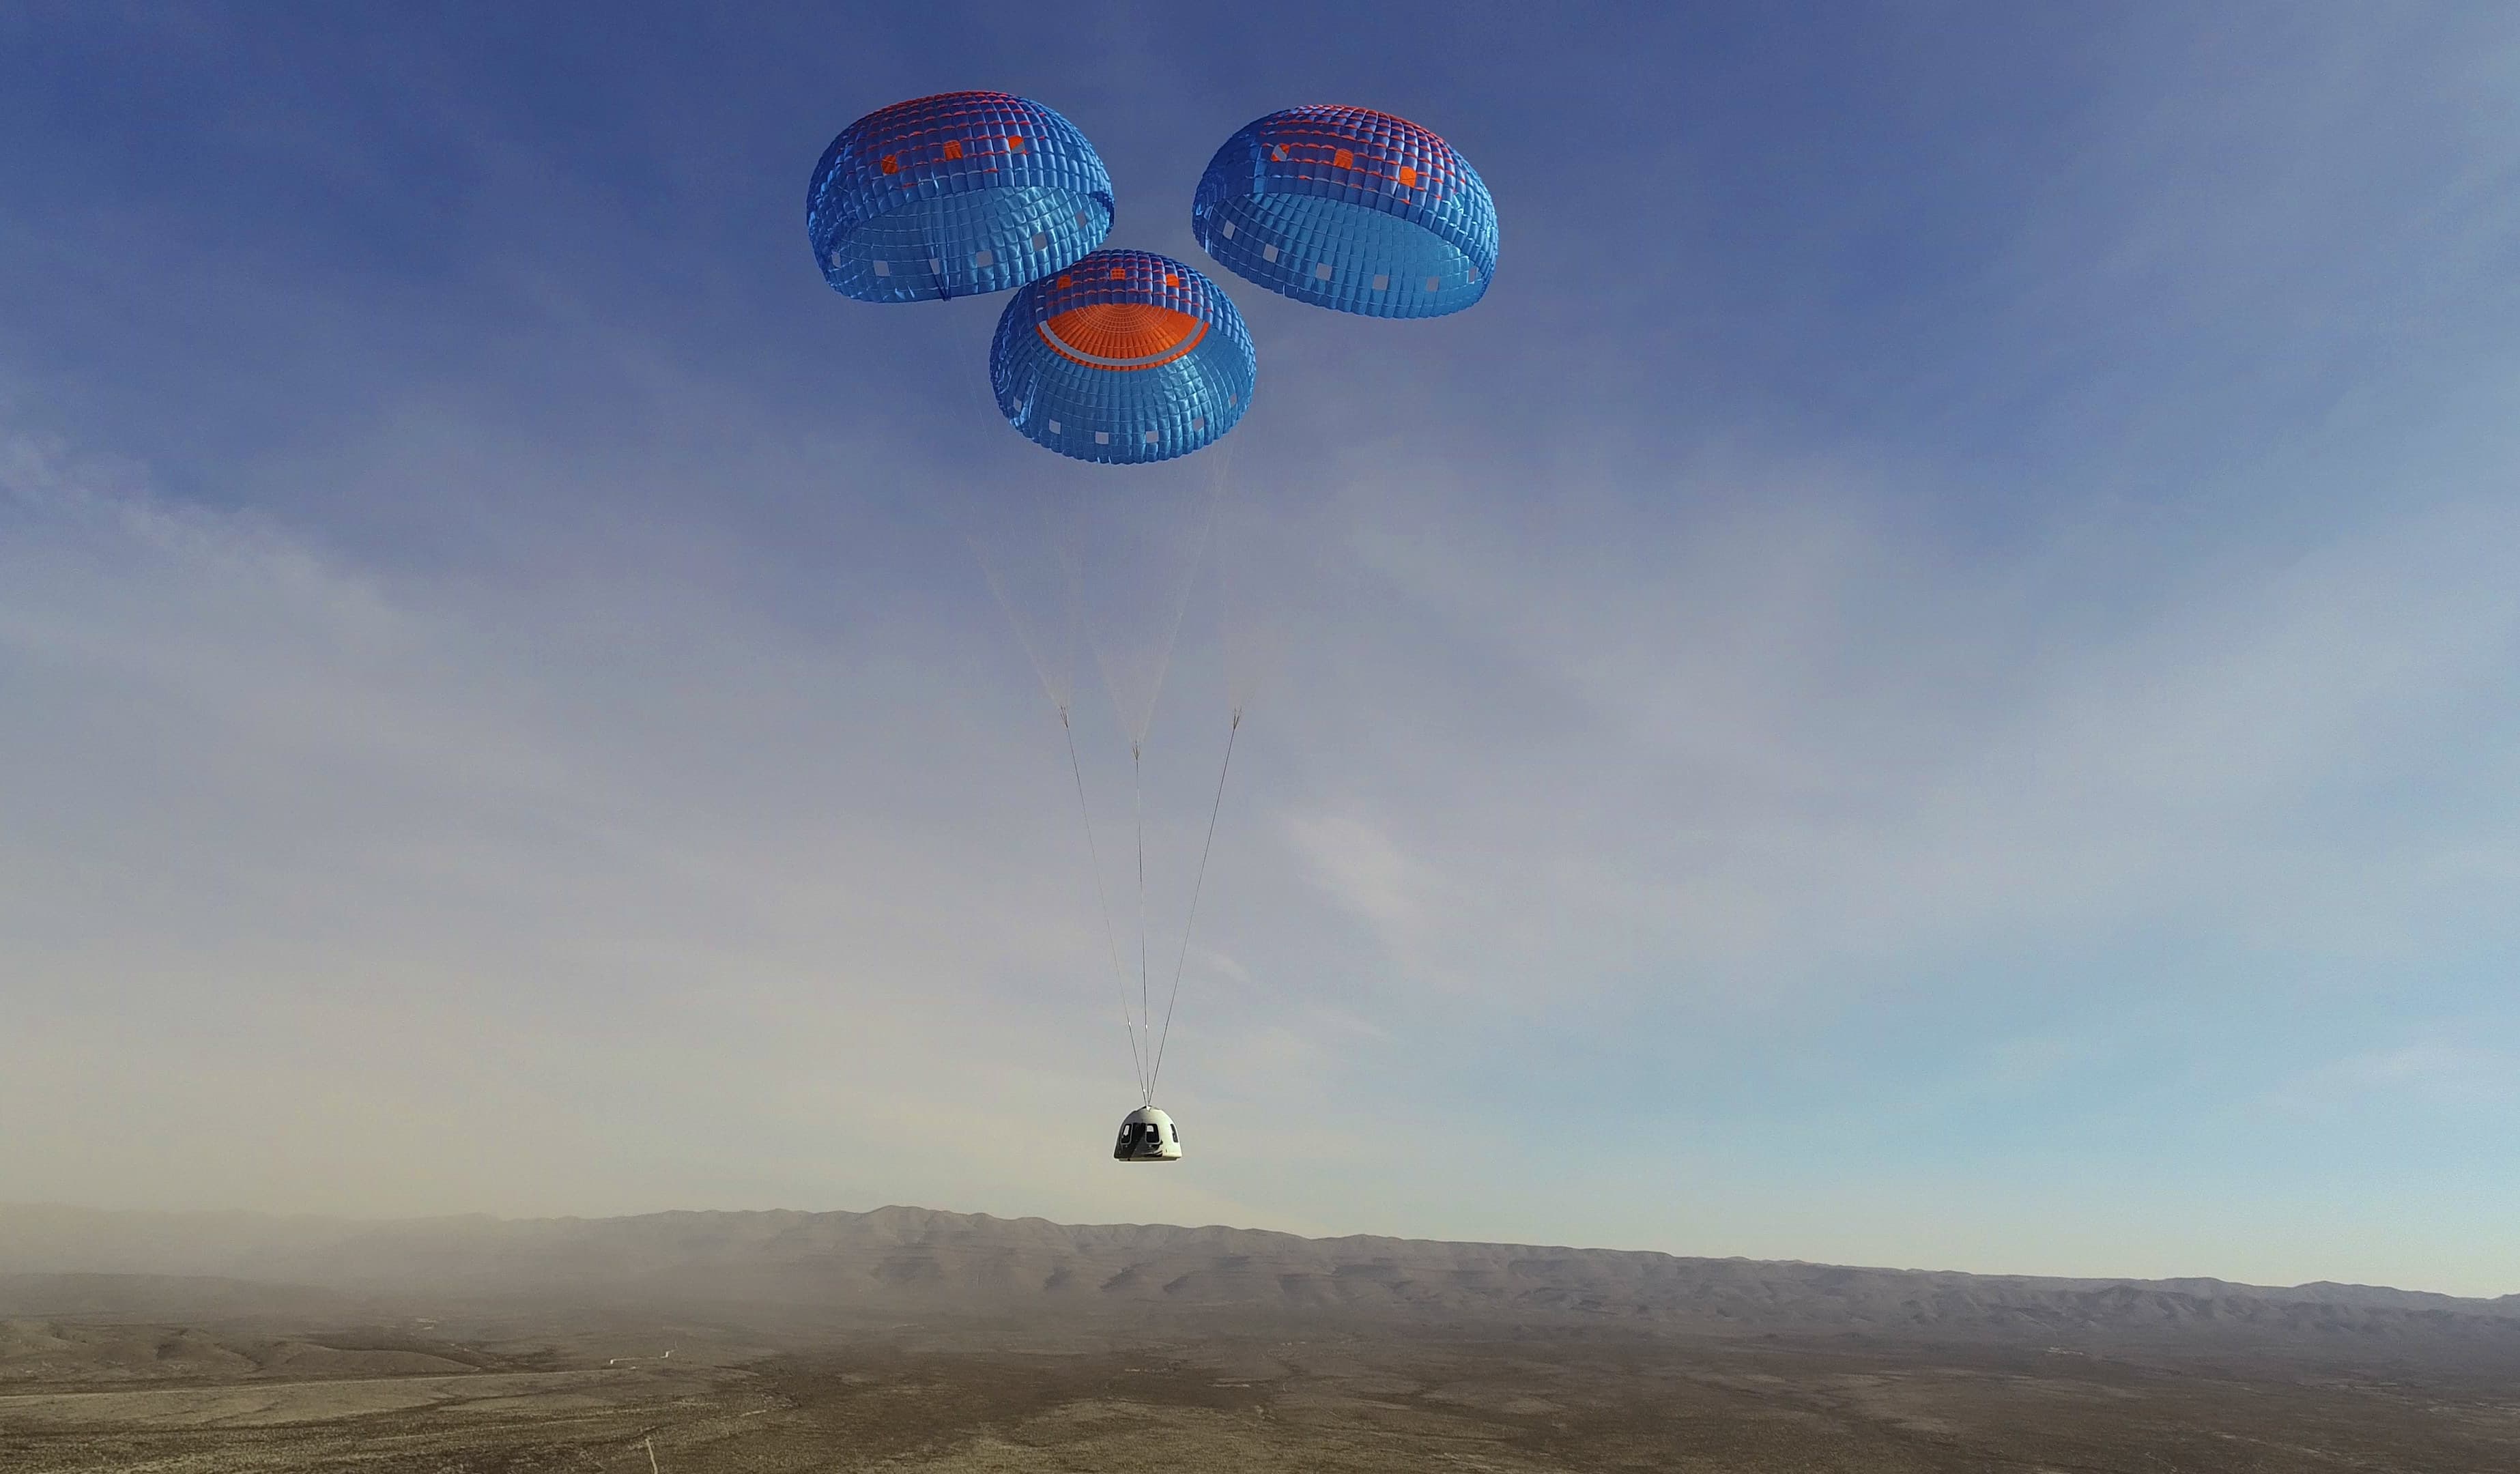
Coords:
pixel 1199 884
pixel 1055 688
pixel 1146 1005
pixel 1240 636
pixel 1139 723
pixel 1110 936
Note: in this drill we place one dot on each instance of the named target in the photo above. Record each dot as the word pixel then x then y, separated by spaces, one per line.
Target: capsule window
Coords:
pixel 882 268
pixel 1321 271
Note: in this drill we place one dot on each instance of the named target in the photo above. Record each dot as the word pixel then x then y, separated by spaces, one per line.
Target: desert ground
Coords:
pixel 893 1368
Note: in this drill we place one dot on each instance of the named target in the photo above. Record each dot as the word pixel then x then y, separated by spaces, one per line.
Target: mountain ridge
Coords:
pixel 903 1260
pixel 893 1218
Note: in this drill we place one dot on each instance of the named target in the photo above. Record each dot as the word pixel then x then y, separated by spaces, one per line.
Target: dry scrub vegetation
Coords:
pixel 911 1398
pixel 908 1340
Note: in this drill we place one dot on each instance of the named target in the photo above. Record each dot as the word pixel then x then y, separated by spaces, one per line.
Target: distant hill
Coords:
pixel 920 1262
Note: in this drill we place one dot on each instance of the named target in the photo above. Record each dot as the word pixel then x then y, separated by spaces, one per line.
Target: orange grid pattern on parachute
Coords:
pixel 1125 336
pixel 1051 363
pixel 1131 277
pixel 1349 146
pixel 952 195
pixel 969 130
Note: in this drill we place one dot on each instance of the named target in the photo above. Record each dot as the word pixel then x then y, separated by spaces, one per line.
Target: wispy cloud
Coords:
pixel 1802 741
pixel 2426 1075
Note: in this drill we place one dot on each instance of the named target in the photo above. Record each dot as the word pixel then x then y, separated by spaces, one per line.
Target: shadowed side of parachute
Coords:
pixel 955 195
pixel 1124 357
pixel 1350 209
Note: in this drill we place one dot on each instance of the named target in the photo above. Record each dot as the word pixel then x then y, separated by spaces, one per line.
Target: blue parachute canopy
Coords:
pixel 1124 357
pixel 954 194
pixel 1351 209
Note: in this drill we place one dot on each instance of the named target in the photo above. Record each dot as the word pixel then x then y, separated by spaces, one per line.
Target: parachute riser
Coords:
pixel 1198 884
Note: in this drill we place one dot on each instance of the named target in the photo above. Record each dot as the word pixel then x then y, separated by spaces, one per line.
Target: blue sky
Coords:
pixel 1928 680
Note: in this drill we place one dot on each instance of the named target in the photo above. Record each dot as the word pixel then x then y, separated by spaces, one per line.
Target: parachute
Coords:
pixel 1129 358
pixel 955 195
pixel 1124 357
pixel 1350 209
